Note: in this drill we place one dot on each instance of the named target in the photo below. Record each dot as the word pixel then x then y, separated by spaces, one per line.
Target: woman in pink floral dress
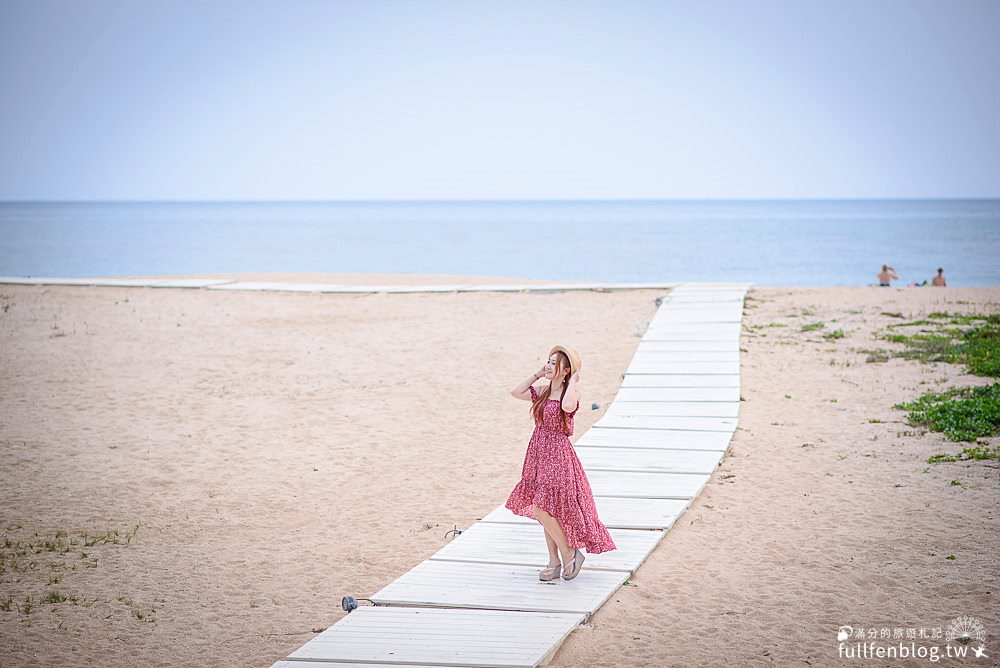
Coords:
pixel 554 488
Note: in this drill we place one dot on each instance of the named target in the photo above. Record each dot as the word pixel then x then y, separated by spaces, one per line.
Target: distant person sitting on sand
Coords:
pixel 885 275
pixel 939 279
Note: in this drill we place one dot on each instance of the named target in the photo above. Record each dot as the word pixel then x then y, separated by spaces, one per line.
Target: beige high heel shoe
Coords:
pixel 549 573
pixel 571 571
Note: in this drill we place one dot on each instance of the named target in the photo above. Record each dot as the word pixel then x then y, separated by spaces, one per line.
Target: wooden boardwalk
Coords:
pixel 478 600
pixel 258 286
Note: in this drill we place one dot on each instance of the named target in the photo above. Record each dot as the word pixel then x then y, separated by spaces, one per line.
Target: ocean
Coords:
pixel 768 243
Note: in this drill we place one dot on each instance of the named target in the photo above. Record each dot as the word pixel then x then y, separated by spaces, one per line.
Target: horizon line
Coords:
pixel 509 200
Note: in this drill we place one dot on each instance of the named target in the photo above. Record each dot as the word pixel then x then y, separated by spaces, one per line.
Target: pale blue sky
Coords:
pixel 499 100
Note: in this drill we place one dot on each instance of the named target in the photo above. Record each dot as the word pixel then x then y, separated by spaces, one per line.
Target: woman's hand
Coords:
pixel 541 372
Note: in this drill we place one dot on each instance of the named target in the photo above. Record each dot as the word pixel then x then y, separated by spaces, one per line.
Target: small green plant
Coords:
pixel 111 536
pixel 835 334
pixel 54 597
pixel 977 347
pixel 951 557
pixel 877 356
pixel 975 452
pixel 956 482
pixel 962 414
pixel 874 420
pixel 813 326
pixel 915 323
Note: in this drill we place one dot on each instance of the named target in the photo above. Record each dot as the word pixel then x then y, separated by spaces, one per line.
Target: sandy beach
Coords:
pixel 196 477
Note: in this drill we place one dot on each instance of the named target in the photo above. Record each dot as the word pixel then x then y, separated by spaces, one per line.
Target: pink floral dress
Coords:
pixel 553 479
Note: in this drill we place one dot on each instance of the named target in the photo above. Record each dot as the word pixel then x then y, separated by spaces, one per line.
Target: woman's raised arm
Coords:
pixel 522 390
pixel 572 393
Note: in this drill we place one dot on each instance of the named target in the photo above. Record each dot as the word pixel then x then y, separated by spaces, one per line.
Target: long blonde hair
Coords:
pixel 538 405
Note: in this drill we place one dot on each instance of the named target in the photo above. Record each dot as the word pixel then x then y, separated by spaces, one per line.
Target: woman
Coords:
pixel 553 488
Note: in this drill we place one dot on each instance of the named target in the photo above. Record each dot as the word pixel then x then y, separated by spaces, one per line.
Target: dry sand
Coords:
pixel 280 450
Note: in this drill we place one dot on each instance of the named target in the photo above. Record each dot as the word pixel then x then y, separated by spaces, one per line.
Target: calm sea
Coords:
pixel 816 243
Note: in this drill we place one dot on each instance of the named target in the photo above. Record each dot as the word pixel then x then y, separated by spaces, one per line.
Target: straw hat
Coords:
pixel 574 359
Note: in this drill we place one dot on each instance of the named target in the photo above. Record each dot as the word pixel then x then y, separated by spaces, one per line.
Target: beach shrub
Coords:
pixel 977 347
pixel 877 356
pixel 980 350
pixel 981 450
pixel 962 414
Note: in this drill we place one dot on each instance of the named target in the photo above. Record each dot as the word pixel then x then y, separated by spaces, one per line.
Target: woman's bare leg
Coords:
pixel 550 542
pixel 553 530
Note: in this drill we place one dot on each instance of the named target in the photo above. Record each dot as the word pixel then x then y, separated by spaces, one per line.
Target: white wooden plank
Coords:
pixel 191 282
pixel 272 286
pixel 671 316
pixel 687 308
pixel 646 366
pixel 679 393
pixel 427 288
pixel 731 338
pixel 703 298
pixel 524 545
pixel 615 512
pixel 286 663
pixel 695 286
pixel 458 584
pixel 559 287
pixel 722 331
pixel 723 409
pixel 647 460
pixel 733 306
pixel 647 485
pixel 729 355
pixel 668 380
pixel 655 438
pixel 680 346
pixel 441 637
pixel 696 327
pixel 727 425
